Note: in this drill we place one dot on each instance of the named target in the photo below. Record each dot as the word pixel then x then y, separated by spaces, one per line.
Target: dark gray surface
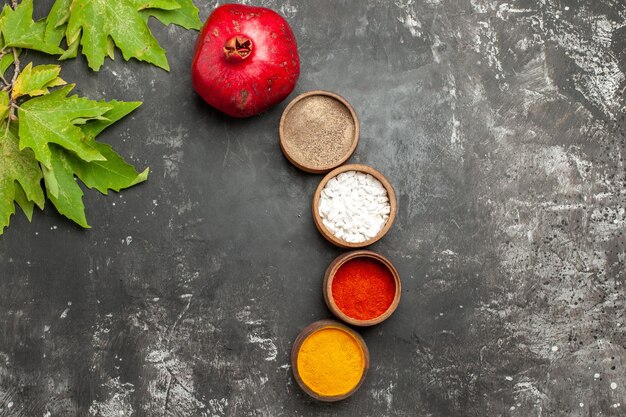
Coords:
pixel 501 126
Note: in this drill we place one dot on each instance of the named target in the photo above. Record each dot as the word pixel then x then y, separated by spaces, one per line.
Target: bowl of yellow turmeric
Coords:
pixel 329 360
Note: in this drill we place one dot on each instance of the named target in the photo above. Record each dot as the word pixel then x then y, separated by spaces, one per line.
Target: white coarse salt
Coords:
pixel 354 206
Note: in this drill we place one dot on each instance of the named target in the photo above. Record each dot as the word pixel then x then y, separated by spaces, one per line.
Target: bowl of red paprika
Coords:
pixel 362 288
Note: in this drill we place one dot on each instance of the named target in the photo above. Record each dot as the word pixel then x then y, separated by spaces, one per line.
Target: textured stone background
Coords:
pixel 501 126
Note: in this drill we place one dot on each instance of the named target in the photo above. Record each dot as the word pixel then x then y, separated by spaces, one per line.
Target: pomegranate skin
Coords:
pixel 245 60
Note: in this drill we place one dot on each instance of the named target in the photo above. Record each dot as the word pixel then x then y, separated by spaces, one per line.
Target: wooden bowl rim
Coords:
pixel 281 129
pixel 390 194
pixel 329 276
pixel 312 328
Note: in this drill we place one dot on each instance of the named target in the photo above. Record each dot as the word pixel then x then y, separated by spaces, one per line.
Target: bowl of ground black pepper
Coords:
pixel 362 288
pixel 318 131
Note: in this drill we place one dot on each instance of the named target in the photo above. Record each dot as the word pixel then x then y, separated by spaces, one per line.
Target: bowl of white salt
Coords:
pixel 354 206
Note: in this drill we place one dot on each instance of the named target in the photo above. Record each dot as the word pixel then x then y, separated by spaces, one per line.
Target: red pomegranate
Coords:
pixel 245 60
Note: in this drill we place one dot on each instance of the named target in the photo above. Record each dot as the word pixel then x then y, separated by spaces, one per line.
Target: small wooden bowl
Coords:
pixel 312 328
pixel 320 116
pixel 328 286
pixel 316 201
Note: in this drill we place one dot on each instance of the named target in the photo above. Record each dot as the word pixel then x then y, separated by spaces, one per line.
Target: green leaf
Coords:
pixel 112 174
pixel 119 109
pixel 25 204
pixel 52 119
pixel 110 48
pixel 4 105
pixel 100 25
pixel 18 166
pixel 72 50
pixel 57 143
pixel 186 15
pixel 56 28
pixel 62 189
pixel 19 30
pixel 56 22
pixel 7 60
pixel 121 21
pixel 36 81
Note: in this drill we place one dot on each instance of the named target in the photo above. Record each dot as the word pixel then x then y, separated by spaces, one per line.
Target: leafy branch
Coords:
pixel 48 136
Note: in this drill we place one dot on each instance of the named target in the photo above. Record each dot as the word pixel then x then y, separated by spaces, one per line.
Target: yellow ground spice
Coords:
pixel 330 362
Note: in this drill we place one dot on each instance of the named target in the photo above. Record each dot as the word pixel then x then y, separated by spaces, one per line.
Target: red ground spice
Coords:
pixel 363 288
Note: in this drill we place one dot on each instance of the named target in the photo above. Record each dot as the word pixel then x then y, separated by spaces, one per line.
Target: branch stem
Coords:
pixel 16 72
